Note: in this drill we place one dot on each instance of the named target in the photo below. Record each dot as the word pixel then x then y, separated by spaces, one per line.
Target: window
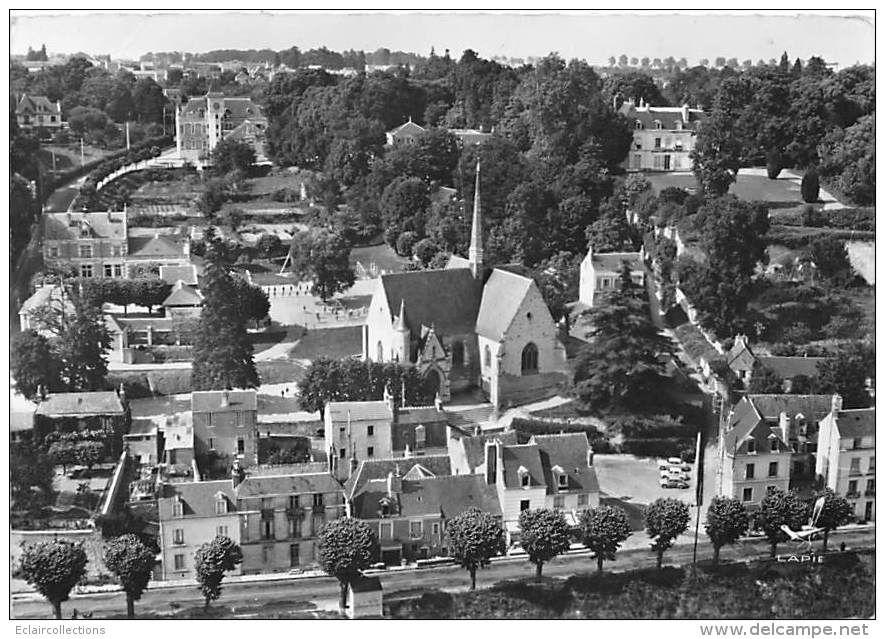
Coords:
pixel 750 471
pixel 638 125
pixel 85 250
pixel 86 270
pixel 677 125
pixel 525 480
pixel 487 357
pixel 529 359
pixel 53 251
pixel 416 528
pixel 108 270
pixel 267 529
pixel 179 562
pixel 775 445
pixel 658 125
pixel 241 445
pixel 772 469
pixel 385 530
pixel 241 418
pixel 857 442
pixel 751 446
pixel 116 250
pixel 523 505
pixel 871 487
pixel 211 443
pixel 220 506
pixel 435 528
pixel 380 351
pixel 342 452
pixel 748 494
pixel 210 419
pixel 583 499
pixel 293 555
pixel 458 354
pixel 294 528
pixel 294 502
pixel 420 435
pixel 370 451
pixel 657 144
pixel 370 431
pixel 855 466
pixel 178 536
pixel 318 500
pixel 563 480
pixel 872 465
pixel 559 502
pixel 177 508
pixel 221 531
pixel 852 488
pixel 118 270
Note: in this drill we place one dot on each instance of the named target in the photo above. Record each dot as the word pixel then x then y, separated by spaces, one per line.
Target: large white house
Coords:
pixel 663 137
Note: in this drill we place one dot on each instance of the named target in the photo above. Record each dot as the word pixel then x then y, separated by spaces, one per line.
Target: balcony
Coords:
pixel 267 513
pixel 869 493
pixel 294 512
pixel 854 494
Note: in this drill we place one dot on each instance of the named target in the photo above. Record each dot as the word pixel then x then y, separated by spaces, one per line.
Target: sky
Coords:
pixel 845 39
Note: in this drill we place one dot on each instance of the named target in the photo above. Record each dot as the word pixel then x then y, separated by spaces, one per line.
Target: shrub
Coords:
pixel 810 186
pixel 774 163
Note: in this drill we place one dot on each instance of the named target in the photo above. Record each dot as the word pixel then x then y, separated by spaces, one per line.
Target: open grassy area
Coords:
pixel 337 342
pixel 382 256
pixel 278 179
pixel 779 193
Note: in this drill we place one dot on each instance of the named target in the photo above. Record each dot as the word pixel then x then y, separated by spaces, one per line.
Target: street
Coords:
pixel 261 599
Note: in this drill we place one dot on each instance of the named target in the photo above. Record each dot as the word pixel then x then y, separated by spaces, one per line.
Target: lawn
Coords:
pixel 279 179
pixel 779 193
pixel 342 341
pixel 381 256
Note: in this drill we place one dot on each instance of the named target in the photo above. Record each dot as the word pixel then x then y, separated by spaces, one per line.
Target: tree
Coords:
pixel 774 163
pixel 779 508
pixel 82 346
pixel 624 357
pixel 610 233
pixel 831 259
pixel 232 155
pixel 404 205
pixel 544 535
pixel 765 381
pixel 603 530
pixel 253 303
pixel 54 568
pixel 474 538
pixel 347 547
pixel 222 350
pixel 727 521
pixel 63 452
pixel 847 374
pixel 32 364
pixel 849 160
pixel 213 197
pixel 270 245
pixel 89 453
pixel 425 250
pixel 665 520
pixel 211 561
pixel 836 511
pixel 133 562
pixel 405 243
pixel 322 257
pixel 810 186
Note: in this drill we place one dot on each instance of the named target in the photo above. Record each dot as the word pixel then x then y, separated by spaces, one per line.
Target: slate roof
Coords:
pixel 210 401
pixel 142 427
pixel 612 262
pixel 447 496
pixel 245 131
pixel 197 497
pixel 421 415
pixel 448 299
pixel 142 323
pixel 569 451
pixel 172 274
pixel 667 116
pixel 359 411
pixel 751 413
pixel 370 469
pixel 502 295
pixel 157 246
pixel 475 447
pixel 183 295
pixel 527 456
pixel 240 108
pixel 407 127
pixel 36 104
pixel 264 486
pixel 92 403
pixel 741 358
pixel 859 422
pixel 41 297
pixel 790 367
pixel 66 226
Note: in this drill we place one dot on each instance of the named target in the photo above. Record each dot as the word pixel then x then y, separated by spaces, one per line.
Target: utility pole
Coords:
pixel 127 135
pixel 82 161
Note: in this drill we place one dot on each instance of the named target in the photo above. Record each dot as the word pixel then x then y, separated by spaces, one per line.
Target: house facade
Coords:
pixel 94 244
pixel 846 457
pixel 204 121
pixel 601 273
pixel 406 133
pixel 225 423
pixel 663 137
pixel 34 112
pixel 105 411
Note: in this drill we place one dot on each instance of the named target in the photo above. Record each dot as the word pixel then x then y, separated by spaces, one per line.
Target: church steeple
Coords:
pixel 474 255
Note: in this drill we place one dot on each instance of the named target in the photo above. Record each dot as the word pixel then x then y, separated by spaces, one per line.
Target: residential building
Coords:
pixel 743 361
pixel 184 302
pixel 550 471
pixel 105 411
pixel 663 137
pixel 174 274
pixel 470 137
pixel 601 273
pixel 157 250
pixel 468 326
pixel 409 510
pixel 204 121
pixel 46 295
pixel 225 424
pixel 406 133
pixel 357 431
pixel 37 112
pixel 94 244
pixel 846 457
pixel 769 441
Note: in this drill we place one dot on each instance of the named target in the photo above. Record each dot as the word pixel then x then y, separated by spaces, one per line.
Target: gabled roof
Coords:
pixel 36 104
pixel 210 401
pixel 612 262
pixel 569 451
pixel 198 498
pixel 527 456
pixel 370 469
pixel 359 411
pixel 502 296
pixel 245 131
pixel 407 128
pixel 156 247
pixel 421 415
pixel 183 295
pixel 858 422
pixel 753 411
pixel 186 274
pixel 790 367
pixel 740 358
pixel 41 297
pixel 265 486
pixel 475 447
pixel 667 116
pixel 66 226
pixel 446 496
pixel 447 299
pixel 92 403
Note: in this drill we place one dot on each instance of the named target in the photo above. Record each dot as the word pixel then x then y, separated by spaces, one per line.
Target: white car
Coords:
pixel 673 473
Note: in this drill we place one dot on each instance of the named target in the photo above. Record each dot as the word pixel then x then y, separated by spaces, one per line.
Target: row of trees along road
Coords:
pixel 349 546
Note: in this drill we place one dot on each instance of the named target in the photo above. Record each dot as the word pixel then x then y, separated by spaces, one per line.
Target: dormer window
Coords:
pixel 677 125
pixel 525 480
pixel 639 126
pixel 775 445
pixel 220 505
pixel 177 507
pixel 658 125
pixel 751 446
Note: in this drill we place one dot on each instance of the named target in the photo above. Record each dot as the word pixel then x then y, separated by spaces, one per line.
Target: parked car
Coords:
pixel 673 483
pixel 673 473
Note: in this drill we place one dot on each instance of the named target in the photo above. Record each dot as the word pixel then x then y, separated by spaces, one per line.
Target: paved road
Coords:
pixel 60 199
pixel 282 595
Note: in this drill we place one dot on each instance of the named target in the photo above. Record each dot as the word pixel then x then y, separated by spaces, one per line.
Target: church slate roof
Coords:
pixel 447 299
pixel 503 293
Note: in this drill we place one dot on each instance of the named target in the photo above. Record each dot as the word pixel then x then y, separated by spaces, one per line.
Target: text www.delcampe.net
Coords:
pixel 785 630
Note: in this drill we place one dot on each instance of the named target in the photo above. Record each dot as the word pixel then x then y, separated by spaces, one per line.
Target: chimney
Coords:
pixel 236 474
pixel 391 402
pixel 353 465
pixel 225 399
pixel 784 423
pixel 394 484
pixel 837 402
pixel 121 393
pixel 589 456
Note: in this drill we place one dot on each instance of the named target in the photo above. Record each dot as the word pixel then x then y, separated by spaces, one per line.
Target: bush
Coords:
pixel 525 428
pixel 810 186
pixel 774 163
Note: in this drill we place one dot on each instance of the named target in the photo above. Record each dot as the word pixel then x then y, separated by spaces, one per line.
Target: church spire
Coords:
pixel 400 324
pixel 474 255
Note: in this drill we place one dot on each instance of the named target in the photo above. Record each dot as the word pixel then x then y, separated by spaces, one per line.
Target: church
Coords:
pixel 469 326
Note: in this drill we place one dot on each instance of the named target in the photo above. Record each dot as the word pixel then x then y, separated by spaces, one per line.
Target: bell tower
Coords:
pixel 474 255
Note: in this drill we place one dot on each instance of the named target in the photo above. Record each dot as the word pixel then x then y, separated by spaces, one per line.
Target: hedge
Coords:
pixel 525 428
pixel 659 447
pixel 795 237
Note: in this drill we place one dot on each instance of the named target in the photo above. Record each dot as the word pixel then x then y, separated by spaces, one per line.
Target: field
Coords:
pixel 331 342
pixel 782 193
pixel 382 256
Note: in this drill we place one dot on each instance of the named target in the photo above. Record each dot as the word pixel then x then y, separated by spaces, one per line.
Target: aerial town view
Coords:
pixel 456 316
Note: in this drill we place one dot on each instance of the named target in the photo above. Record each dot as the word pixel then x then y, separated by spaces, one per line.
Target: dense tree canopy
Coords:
pixel 474 538
pixel 54 568
pixel 347 547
